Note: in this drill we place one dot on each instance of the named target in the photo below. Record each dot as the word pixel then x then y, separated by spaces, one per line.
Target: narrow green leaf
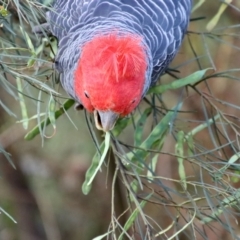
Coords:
pixel 185 226
pixel 7 214
pixel 180 152
pixel 154 138
pixel 225 203
pixel 198 5
pixel 36 130
pixel 95 161
pixel 139 127
pixel 33 117
pixel 202 126
pixel 231 161
pixel 31 61
pixel 96 165
pixel 51 111
pixel 213 22
pixel 132 218
pixel 102 236
pixel 121 124
pixel 190 145
pixel 191 79
pixel 234 158
pixel 152 166
pixel 22 103
pixel 105 151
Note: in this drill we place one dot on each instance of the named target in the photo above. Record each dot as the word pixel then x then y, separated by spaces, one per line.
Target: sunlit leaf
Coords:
pixel 35 131
pixel 7 214
pixel 132 218
pixel 51 111
pixel 96 165
pixel 198 5
pixel 189 80
pixel 22 103
pixel 103 236
pixel 213 22
pixel 225 203
pixel 154 138
pixel 180 152
pixel 140 126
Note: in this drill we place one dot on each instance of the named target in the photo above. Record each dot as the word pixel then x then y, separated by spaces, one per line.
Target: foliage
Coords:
pixel 183 158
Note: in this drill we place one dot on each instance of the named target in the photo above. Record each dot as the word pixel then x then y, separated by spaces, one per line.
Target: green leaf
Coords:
pixel 36 130
pixel 3 11
pixel 198 5
pixel 180 152
pixel 96 165
pixel 105 151
pixel 225 203
pixel 51 111
pixel 31 61
pixel 3 211
pixel 22 103
pixel 231 161
pixel 154 138
pixel 121 124
pixel 202 126
pixel 102 236
pixel 133 217
pixel 213 22
pixel 191 79
pixel 236 177
pixel 139 127
pixel 153 166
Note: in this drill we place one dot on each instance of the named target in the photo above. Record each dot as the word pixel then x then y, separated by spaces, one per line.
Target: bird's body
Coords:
pixel 111 52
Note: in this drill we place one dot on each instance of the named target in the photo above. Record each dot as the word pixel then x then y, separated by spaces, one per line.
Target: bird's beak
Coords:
pixel 105 121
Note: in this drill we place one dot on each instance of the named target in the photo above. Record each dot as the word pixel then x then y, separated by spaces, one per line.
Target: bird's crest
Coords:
pixel 117 57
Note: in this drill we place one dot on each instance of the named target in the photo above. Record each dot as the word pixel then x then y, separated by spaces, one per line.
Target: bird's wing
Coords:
pixel 167 31
pixel 63 15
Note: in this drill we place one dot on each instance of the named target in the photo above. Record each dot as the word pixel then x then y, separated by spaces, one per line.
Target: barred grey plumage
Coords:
pixel 162 23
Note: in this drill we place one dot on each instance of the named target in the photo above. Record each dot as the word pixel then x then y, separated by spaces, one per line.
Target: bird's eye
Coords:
pixel 79 107
pixel 86 94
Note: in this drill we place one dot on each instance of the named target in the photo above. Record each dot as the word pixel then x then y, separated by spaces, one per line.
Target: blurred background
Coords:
pixel 41 180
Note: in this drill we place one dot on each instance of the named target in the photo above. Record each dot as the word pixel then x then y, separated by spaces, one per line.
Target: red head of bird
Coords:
pixel 110 77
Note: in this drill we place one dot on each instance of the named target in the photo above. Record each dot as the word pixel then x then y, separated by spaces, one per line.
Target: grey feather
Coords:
pixel 162 23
